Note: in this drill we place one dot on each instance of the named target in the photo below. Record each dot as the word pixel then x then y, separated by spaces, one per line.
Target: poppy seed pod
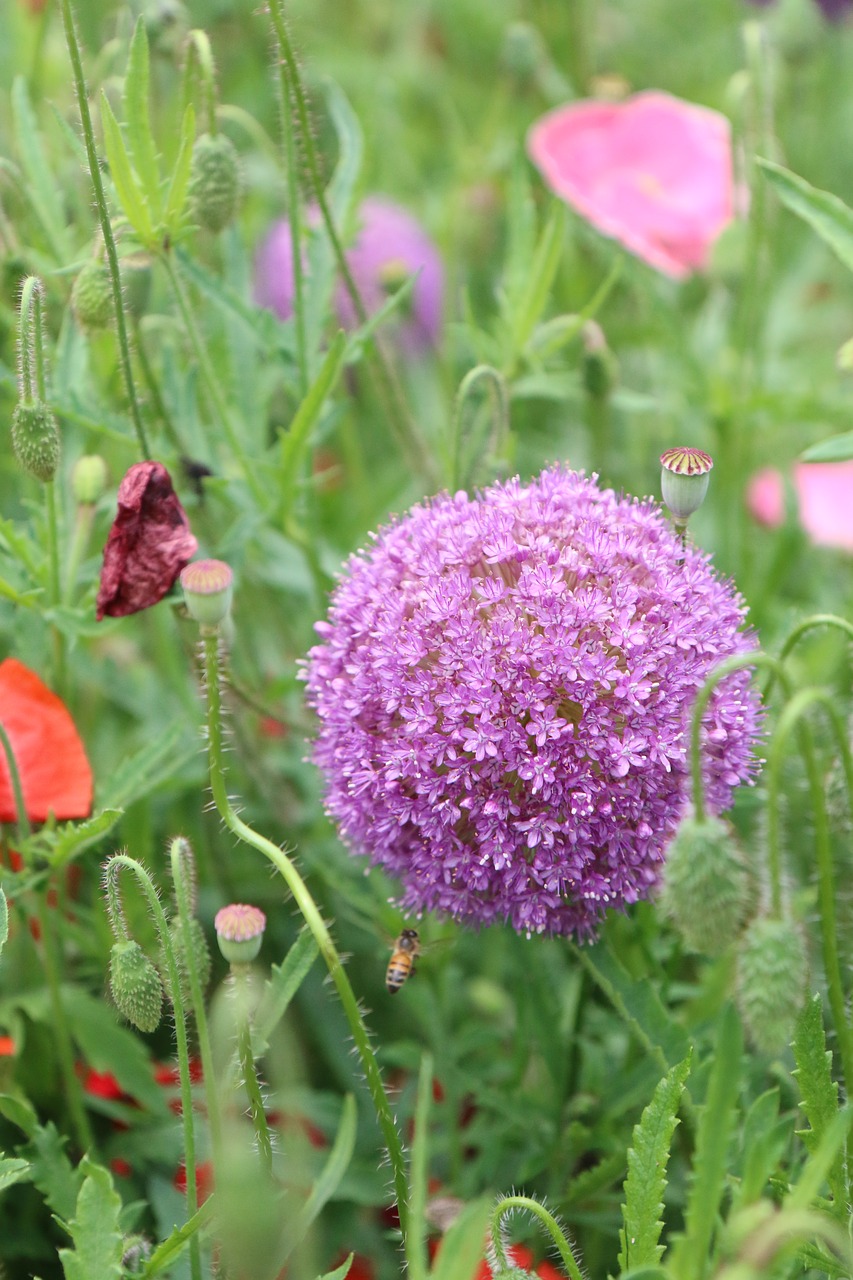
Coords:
pixel 684 479
pixel 239 931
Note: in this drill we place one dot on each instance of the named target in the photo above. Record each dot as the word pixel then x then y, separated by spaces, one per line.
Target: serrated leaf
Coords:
pixel 280 988
pixel 646 1181
pixel 98 1241
pixel 130 194
pixel 176 1242
pixel 52 1171
pixel 69 839
pixel 813 1257
pixel 462 1247
pixel 138 122
pixel 816 1169
pixel 638 1003
pixel 153 764
pixel 294 443
pixel 176 197
pixel 329 1178
pixel 818 1091
pixel 836 449
pixel 825 213
pixel 43 190
pixel 13 1170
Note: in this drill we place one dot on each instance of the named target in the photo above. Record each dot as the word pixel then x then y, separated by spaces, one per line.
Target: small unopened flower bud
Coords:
pixel 135 271
pixel 208 587
pixel 684 479
pixel 523 52
pixel 89 479
pixel 771 981
pixel 35 439
pixel 239 931
pixel 600 368
pixel 92 296
pixel 200 956
pixel 215 181
pixel 135 985
pixel 707 888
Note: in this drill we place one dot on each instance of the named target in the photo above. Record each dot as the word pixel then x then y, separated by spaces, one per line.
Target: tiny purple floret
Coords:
pixel 504 687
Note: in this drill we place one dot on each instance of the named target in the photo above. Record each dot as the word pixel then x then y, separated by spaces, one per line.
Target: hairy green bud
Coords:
pixel 200 954
pixel 35 439
pixel 215 181
pixel 88 479
pixel 771 981
pixel 707 887
pixel 135 985
pixel 92 296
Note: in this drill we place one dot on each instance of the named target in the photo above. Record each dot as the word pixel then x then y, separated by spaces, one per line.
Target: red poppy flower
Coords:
pixel 51 759
pixel 121 1168
pixel 148 545
pixel 102 1084
pixel 7 1047
pixel 203 1179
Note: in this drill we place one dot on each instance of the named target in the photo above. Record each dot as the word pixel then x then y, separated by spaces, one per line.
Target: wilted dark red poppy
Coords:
pixel 50 757
pixel 149 543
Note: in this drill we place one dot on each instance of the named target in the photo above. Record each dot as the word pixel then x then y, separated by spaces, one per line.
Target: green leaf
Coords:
pixel 329 1178
pixel 176 197
pixel 43 190
pixel 527 309
pixel 19 1112
pixel 176 1242
pixel 60 844
pixel 462 1248
pixel 818 1092
pixel 130 194
pixel 137 118
pixel 98 1241
pixel 148 768
pixel 638 1003
pixel 764 1138
pixel 341 189
pixel 295 442
pixel 107 1045
pixel 710 1163
pixel 339 1273
pixel 836 449
pixel 13 1170
pixel 830 217
pixel 819 1164
pixel 280 988
pixel 52 1171
pixel 814 1258
pixel 646 1181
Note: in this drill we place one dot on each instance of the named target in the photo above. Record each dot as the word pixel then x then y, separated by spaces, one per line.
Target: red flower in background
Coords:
pixel 522 1257
pixel 51 760
pixel 203 1179
pixel 148 545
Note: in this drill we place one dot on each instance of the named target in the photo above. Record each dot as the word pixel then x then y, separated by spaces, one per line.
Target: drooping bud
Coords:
pixel 135 985
pixel 215 182
pixel 771 981
pixel 239 932
pixel 35 439
pixel 200 956
pixel 600 368
pixel 707 888
pixel 208 587
pixel 685 476
pixel 92 296
pixel 88 479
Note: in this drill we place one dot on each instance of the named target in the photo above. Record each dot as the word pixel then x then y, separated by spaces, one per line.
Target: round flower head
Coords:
pixel 653 172
pixel 390 245
pixel 239 931
pixel 504 687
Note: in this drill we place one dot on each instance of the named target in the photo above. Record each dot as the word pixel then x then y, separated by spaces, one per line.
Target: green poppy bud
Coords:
pixel 92 296
pixel 771 981
pixel 200 954
pixel 135 985
pixel 707 887
pixel 35 439
pixel 88 479
pixel 215 182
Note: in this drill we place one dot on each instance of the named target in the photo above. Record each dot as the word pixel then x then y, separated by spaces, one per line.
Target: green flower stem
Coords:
pixel 21 816
pixel 295 219
pixel 802 629
pixel 32 373
pixel 308 908
pixel 118 862
pixel 756 658
pixel 497 386
pixel 179 854
pixel 790 719
pixel 507 1205
pixel 241 977
pixel 83 522
pixel 53 588
pixel 397 410
pixel 106 225
pixel 211 382
pixel 200 52
pixel 416 1254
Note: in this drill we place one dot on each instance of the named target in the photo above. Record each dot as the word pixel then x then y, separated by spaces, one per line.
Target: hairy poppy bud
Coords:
pixel 35 439
pixel 135 985
pixel 239 932
pixel 215 181
pixel 707 888
pixel 88 479
pixel 771 981
pixel 135 272
pixel 200 955
pixel 92 296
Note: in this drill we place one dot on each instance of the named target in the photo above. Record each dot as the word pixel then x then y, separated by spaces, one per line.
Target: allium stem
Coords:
pixel 308 908
pixel 106 225
pixel 507 1205
pixel 790 719
pixel 123 861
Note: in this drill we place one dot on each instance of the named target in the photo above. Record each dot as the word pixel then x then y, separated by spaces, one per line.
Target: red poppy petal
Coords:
pixel 50 756
pixel 148 545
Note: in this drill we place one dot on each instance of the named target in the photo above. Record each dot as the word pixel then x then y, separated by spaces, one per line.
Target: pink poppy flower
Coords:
pixel 824 493
pixel 653 172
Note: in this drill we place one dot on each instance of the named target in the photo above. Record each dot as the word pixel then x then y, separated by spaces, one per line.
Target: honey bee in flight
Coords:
pixel 401 966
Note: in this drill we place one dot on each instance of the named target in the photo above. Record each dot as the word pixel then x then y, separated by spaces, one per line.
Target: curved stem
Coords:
pixel 308 908
pixel 802 628
pixel 505 1206
pixel 106 225
pixel 497 382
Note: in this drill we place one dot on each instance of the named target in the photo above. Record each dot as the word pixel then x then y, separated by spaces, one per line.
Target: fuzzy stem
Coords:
pixel 790 719
pixel 505 1206
pixel 32 376
pixel 115 906
pixel 415 1243
pixel 180 855
pixel 241 975
pixel 106 225
pixel 21 817
pixel 295 222
pixel 802 628
pixel 122 860
pixel 308 908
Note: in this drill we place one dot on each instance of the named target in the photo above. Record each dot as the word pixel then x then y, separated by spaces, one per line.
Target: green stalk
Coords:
pixel 241 974
pixel 295 221
pixel 507 1205
pixel 113 867
pixel 106 225
pixel 308 908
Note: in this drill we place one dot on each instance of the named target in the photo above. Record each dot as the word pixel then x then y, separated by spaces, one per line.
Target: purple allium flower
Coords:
pixel 504 687
pixel 832 10
pixel 390 246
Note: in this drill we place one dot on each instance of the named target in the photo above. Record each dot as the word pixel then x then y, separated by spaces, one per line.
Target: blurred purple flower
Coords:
pixel 504 688
pixel 390 246
pixel 832 10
